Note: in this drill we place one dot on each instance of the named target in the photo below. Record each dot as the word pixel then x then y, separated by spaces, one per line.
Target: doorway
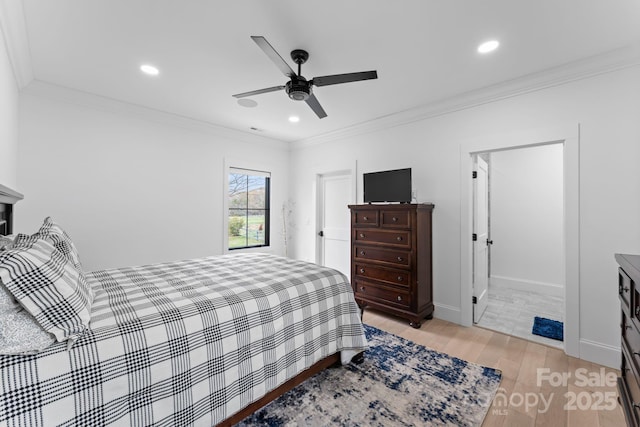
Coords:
pixel 518 259
pixel 569 136
pixel 333 239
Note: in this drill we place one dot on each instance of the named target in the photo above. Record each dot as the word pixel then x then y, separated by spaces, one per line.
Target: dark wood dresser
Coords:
pixel 391 259
pixel 629 292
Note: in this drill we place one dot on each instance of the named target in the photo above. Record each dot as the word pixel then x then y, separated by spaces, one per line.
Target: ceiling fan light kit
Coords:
pixel 298 88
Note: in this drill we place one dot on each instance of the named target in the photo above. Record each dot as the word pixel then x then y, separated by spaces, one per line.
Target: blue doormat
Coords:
pixel 548 328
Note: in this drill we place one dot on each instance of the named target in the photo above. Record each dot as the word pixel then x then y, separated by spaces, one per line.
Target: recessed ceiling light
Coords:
pixel 294 119
pixel 149 69
pixel 489 46
pixel 245 102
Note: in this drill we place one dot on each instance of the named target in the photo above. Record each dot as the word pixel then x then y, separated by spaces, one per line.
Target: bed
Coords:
pixel 199 342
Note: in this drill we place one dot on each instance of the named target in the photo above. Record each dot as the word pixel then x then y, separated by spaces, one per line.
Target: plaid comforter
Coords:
pixel 185 343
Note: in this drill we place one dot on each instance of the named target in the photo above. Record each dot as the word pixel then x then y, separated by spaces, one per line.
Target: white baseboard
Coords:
pixel 513 283
pixel 591 351
pixel 599 353
pixel 448 313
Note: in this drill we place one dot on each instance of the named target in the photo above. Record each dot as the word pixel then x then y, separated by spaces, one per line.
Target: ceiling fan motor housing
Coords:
pixel 298 89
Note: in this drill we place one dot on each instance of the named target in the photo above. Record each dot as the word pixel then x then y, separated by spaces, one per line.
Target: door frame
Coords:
pixel 319 174
pixel 569 137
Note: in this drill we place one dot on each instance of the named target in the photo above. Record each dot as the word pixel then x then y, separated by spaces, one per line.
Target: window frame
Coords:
pixel 267 207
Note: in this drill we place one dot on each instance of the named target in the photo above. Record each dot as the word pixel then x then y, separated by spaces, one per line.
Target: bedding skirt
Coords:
pixel 187 343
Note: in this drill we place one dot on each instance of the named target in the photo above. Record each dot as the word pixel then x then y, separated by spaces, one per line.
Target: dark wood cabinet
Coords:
pixel 629 293
pixel 391 259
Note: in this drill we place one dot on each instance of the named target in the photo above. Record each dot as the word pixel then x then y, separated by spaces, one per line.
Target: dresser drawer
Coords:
pixel 624 291
pixel 631 340
pixel 632 389
pixel 383 294
pixel 386 237
pixel 389 275
pixel 365 218
pixel 395 219
pixel 396 257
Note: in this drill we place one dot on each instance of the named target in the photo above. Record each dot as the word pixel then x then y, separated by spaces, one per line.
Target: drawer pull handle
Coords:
pixel 362 253
pixel 362 288
pixel 636 405
pixel 362 270
pixel 399 278
pixel 399 238
pixel 394 219
pixel 399 298
pixel 361 235
pixel 625 289
pixel 366 218
pixel 400 258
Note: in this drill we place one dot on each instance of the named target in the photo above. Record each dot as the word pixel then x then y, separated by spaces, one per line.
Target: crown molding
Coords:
pixel 589 67
pixel 14 30
pixel 85 99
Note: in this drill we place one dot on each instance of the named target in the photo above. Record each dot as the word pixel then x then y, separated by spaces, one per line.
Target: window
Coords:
pixel 248 208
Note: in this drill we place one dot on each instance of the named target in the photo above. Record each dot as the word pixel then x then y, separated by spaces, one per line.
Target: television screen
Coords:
pixel 388 186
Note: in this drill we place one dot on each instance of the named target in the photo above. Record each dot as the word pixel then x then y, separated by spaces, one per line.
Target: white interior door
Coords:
pixel 335 194
pixel 480 245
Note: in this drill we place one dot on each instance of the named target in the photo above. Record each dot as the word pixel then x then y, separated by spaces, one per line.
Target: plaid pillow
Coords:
pixel 49 286
pixel 60 240
pixel 57 236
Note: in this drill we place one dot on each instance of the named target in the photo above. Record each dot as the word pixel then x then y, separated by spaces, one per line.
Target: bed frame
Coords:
pixel 9 197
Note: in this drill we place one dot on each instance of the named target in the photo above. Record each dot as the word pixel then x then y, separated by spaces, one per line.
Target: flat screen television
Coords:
pixel 388 186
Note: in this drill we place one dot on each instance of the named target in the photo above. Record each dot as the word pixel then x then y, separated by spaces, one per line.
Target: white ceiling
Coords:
pixel 424 52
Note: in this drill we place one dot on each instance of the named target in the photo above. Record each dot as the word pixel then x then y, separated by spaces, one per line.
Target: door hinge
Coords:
pixel 474 300
pixel 474 237
pixel 474 174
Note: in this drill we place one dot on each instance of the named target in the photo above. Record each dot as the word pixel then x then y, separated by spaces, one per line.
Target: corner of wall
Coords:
pixel 16 40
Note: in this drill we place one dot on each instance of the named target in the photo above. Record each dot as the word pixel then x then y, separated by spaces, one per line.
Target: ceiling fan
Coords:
pixel 298 88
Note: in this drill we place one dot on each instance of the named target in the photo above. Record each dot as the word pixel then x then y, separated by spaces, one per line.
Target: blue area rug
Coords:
pixel 548 328
pixel 400 383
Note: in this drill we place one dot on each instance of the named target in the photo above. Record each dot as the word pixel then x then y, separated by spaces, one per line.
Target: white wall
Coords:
pixel 527 218
pixel 130 190
pixel 8 120
pixel 606 106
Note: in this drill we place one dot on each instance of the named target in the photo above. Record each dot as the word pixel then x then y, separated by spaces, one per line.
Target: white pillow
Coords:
pixel 6 242
pixel 19 331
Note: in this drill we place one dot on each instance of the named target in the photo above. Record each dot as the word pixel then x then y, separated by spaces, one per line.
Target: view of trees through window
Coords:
pixel 248 208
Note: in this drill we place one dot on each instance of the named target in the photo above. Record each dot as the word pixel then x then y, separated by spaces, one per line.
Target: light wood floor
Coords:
pixel 519 360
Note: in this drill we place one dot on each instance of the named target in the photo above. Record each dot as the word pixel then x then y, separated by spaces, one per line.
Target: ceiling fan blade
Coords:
pixel 312 101
pixel 273 55
pixel 258 92
pixel 344 78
